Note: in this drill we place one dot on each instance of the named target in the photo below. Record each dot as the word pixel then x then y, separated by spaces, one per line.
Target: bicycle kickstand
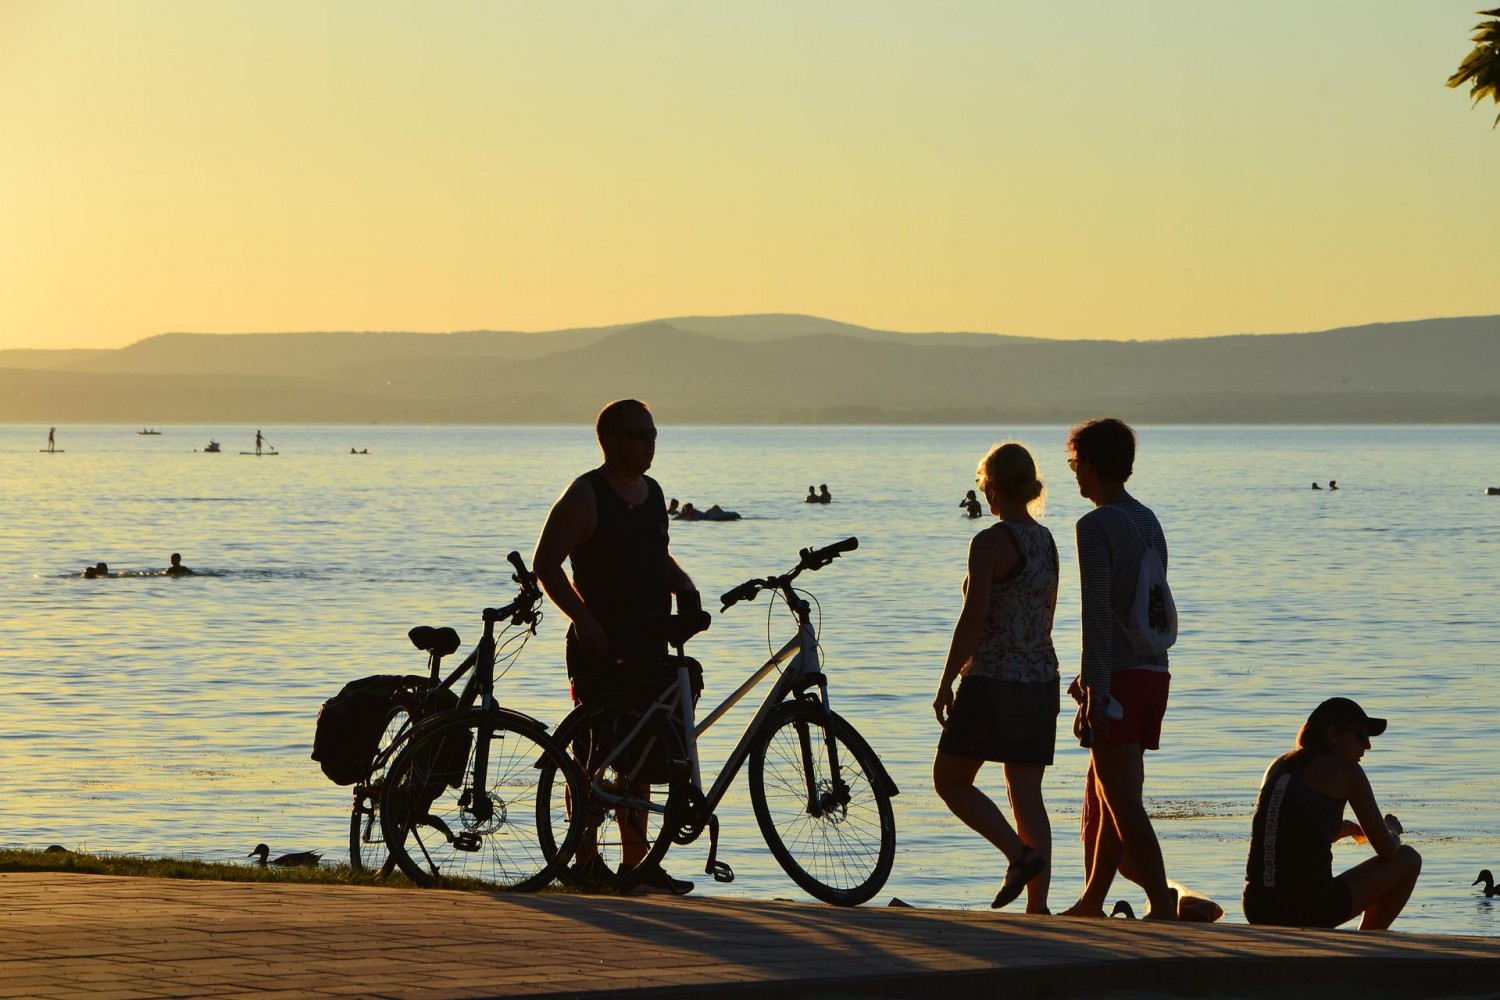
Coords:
pixel 718 869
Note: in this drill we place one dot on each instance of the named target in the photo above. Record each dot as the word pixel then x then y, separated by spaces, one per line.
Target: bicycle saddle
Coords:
pixel 438 641
pixel 678 629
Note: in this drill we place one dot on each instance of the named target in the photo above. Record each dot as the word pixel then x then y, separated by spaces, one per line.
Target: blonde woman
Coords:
pixel 1006 706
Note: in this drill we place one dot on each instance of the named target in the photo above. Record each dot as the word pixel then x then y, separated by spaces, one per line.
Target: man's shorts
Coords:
pixel 1143 696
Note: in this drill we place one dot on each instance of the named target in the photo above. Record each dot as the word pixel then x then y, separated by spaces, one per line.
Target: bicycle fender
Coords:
pixel 886 781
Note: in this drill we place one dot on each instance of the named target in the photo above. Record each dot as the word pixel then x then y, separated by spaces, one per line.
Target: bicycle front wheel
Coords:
pixel 829 825
pixel 634 797
pixel 367 850
pixel 440 823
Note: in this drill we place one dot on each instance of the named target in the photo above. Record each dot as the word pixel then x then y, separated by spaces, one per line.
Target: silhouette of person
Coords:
pixel 1333 484
pixel 823 494
pixel 261 439
pixel 1124 692
pixel 1005 710
pixel 101 569
pixel 672 510
pixel 177 568
pixel 1289 878
pixel 689 513
pixel 812 496
pixel 52 439
pixel 1316 486
pixel 610 524
pixel 970 503
pixel 90 573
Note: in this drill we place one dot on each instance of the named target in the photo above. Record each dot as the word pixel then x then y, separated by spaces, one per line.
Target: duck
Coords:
pixel 301 859
pixel 1122 909
pixel 1490 888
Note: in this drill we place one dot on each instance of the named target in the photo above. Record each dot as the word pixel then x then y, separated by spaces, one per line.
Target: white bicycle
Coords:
pixel 821 796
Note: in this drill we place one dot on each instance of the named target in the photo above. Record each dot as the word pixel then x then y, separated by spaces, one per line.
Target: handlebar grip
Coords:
pixel 520 565
pixel 744 592
pixel 847 545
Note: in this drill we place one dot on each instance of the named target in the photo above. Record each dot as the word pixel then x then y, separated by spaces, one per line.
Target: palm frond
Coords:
pixel 1481 67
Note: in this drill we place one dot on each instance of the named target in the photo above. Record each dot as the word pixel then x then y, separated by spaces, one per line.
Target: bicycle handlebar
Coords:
pixel 807 559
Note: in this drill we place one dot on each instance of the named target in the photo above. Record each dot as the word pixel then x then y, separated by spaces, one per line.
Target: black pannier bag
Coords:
pixel 351 723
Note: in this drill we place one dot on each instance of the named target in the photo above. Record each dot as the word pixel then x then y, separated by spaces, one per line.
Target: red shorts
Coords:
pixel 1143 696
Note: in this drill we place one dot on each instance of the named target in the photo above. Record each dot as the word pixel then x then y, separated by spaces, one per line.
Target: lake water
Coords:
pixel 161 716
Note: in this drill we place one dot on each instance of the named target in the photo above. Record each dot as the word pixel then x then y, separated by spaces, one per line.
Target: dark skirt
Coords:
pixel 1013 722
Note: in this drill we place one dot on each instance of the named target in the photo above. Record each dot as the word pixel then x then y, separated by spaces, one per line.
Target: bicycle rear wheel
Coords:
pixel 621 836
pixel 439 825
pixel 833 833
pixel 367 850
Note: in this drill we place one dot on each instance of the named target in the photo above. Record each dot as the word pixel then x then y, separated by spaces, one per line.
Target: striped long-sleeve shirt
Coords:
pixel 1111 541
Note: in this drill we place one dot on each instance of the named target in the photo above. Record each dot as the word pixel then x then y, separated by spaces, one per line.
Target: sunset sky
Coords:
pixel 1084 169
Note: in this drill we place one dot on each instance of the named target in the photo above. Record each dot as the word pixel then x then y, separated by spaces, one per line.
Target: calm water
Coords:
pixel 175 716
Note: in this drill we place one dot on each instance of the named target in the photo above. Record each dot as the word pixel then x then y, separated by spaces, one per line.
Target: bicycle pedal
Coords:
pixel 720 871
pixel 466 841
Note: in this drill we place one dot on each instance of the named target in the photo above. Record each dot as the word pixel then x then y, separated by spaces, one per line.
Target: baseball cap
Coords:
pixel 1344 712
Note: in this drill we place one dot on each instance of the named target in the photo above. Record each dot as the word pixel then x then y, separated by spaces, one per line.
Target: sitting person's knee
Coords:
pixel 1408 856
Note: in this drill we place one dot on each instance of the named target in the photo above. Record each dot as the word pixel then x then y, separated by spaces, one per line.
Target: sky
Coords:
pixel 1142 170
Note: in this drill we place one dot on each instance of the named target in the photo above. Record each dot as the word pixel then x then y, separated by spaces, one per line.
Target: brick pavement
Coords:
pixel 65 935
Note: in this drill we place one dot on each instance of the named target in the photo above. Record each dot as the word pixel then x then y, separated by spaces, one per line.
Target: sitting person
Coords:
pixel 672 508
pixel 177 568
pixel 1299 813
pixel 812 495
pixel 823 495
pixel 689 513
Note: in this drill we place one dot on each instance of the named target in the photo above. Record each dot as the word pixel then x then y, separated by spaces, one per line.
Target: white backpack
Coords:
pixel 1152 625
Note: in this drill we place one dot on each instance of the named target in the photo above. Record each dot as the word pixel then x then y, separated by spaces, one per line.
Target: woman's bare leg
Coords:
pixel 1023 784
pixel 953 780
pixel 1381 888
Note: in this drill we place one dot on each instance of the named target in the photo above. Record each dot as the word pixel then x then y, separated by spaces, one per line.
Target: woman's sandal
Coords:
pixel 1031 864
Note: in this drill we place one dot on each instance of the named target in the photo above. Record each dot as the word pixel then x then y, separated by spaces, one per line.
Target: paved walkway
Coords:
pixel 67 935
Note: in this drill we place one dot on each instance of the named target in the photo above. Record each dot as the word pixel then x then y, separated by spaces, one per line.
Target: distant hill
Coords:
pixel 768 369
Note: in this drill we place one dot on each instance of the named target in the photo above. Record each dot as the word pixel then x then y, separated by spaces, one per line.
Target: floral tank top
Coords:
pixel 1017 642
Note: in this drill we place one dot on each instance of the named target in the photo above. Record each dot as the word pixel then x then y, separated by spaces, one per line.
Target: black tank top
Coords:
pixel 622 572
pixel 1291 839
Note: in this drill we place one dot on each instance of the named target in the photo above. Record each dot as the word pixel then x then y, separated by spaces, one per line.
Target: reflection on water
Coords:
pixel 152 714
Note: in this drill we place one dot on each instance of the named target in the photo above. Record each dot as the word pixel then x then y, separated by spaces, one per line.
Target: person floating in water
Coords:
pixel 177 568
pixel 89 573
pixel 672 509
pixel 812 495
pixel 823 495
pixel 98 571
pixel 970 503
pixel 1316 486
pixel 1333 484
pixel 262 439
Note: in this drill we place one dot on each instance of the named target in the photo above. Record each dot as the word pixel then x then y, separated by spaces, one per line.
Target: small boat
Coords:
pixel 1493 491
pixel 213 446
pixel 145 431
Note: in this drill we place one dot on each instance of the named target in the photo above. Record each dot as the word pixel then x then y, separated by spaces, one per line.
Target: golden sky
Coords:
pixel 1083 169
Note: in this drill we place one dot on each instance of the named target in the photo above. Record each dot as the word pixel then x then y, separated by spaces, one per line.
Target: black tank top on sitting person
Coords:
pixel 1291 838
pixel 623 574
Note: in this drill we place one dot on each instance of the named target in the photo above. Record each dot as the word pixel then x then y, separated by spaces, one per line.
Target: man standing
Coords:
pixel 1124 691
pixel 611 525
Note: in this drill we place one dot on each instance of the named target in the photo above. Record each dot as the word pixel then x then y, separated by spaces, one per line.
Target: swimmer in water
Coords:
pixel 177 568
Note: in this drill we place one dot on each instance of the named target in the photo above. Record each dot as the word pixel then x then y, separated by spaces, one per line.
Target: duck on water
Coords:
pixel 301 859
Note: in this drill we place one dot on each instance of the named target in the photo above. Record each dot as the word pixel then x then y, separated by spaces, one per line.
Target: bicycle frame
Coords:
pixel 801 656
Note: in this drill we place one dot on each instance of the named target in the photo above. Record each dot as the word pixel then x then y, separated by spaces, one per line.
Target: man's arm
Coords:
pixel 569 524
pixel 682 585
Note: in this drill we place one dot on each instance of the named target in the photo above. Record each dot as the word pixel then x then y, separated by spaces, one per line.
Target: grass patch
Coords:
pixel 213 871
